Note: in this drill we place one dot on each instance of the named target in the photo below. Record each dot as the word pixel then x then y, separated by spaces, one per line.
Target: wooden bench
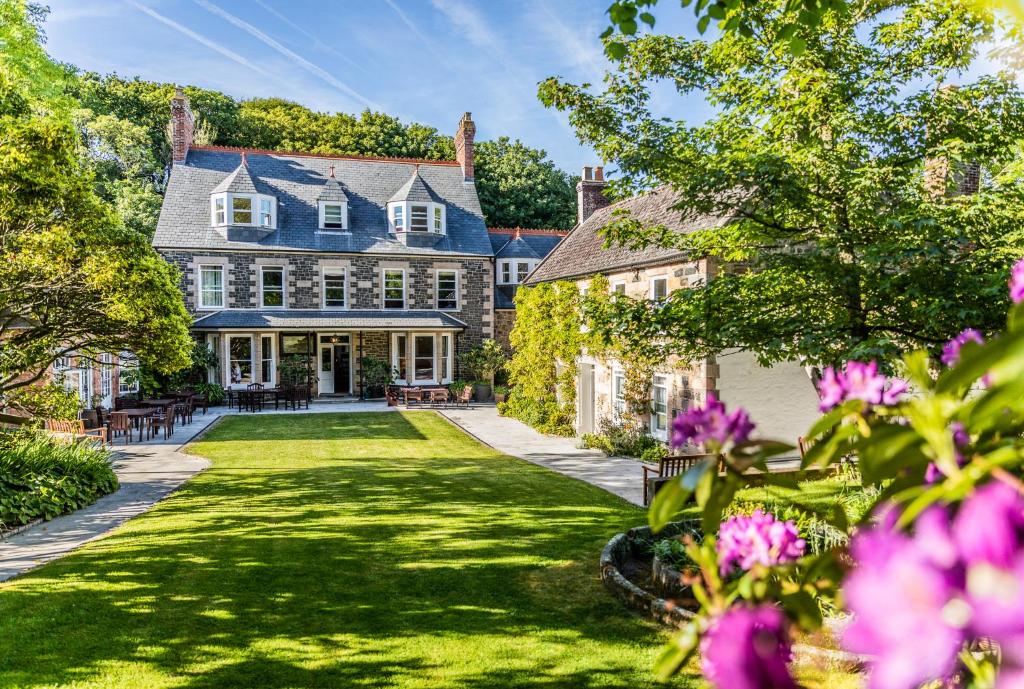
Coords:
pixel 669 467
pixel 76 429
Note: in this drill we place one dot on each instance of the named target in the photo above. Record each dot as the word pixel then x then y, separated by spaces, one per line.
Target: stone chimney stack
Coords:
pixel 183 124
pixel 464 145
pixel 590 193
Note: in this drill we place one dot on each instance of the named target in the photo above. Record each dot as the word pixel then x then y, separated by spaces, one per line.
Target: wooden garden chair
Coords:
pixel 670 466
pixel 76 428
pixel 465 397
pixel 121 423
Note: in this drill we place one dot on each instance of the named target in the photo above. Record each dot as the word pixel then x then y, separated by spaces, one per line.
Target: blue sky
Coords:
pixel 421 60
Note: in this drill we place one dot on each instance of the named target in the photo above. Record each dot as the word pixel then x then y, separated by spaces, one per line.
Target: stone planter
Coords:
pixel 499 397
pixel 668 581
pixel 482 392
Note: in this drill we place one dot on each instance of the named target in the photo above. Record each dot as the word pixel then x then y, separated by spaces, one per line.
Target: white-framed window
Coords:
pixel 417 217
pixel 446 290
pixel 335 288
pixel 423 358
pixel 618 288
pixel 512 271
pixel 254 210
pixel 240 357
pixel 267 359
pixel 659 288
pixel 84 381
pixel 446 358
pixel 400 357
pixel 127 375
pixel 272 287
pixel 393 288
pixel 106 374
pixel 220 213
pixel 333 215
pixel 211 287
pixel 619 394
pixel 659 407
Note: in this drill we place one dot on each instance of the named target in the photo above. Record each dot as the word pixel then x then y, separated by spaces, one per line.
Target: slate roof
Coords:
pixel 416 190
pixel 505 296
pixel 331 190
pixel 539 244
pixel 582 253
pixel 297 181
pixel 303 319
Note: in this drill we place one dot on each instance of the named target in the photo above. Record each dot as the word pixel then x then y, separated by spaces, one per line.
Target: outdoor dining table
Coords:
pixel 136 416
pixel 247 398
pixel 162 402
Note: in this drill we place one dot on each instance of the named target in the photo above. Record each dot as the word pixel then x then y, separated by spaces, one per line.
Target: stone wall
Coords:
pixel 504 319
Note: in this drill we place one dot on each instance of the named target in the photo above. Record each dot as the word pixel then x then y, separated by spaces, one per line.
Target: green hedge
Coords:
pixel 45 477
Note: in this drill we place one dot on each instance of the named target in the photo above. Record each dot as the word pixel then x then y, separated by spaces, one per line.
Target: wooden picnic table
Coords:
pixel 136 416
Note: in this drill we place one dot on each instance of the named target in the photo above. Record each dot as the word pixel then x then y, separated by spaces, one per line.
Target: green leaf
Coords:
pixel 797 46
pixel 830 448
pixel 918 369
pixel 803 606
pixel 1003 357
pixel 702 23
pixel 647 18
pixel 889 449
pixel 615 50
pixel 674 494
pixel 755 452
pixel 676 652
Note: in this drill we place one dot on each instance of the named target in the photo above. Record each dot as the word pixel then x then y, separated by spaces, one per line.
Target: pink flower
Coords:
pixel 951 350
pixel 859 381
pixel 960 442
pixel 711 423
pixel 1017 282
pixel 748 648
pixel 758 539
pixel 990 525
pixel 900 593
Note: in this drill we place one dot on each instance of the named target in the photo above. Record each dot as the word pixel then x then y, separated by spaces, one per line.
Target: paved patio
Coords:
pixel 619 475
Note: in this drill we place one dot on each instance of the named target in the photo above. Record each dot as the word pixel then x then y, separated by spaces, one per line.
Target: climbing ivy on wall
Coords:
pixel 546 341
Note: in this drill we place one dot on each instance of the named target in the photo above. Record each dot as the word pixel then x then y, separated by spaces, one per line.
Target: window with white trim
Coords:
pixel 335 289
pixel 399 357
pixel 394 288
pixel 659 288
pixel 272 287
pixel 423 358
pixel 619 394
pixel 266 212
pixel 127 374
pixel 211 287
pixel 618 288
pixel 267 360
pixel 446 290
pixel 333 215
pixel 240 353
pixel 398 217
pixel 253 210
pixel 220 213
pixel 438 218
pixel 241 210
pixel 659 407
pixel 417 217
pixel 506 272
pixel 106 374
pixel 446 358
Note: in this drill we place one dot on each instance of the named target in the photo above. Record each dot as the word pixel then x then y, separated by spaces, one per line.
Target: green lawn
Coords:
pixel 339 550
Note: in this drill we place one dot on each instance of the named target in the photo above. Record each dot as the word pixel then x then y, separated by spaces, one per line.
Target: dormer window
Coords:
pixel 428 218
pixel 253 210
pixel 333 216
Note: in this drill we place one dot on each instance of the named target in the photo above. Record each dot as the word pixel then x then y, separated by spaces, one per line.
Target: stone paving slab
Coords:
pixel 621 476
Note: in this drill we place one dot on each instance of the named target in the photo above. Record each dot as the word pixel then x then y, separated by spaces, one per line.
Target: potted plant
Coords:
pixel 483 362
pixel 500 393
pixel 377 375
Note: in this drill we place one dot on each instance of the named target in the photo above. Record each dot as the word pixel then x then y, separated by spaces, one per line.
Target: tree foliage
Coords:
pixel 73 278
pixel 833 245
pixel 520 187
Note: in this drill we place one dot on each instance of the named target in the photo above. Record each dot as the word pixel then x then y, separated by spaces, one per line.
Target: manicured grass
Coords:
pixel 344 550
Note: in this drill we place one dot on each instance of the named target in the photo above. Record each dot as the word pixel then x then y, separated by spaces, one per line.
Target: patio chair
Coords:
pixel 439 396
pixel 120 423
pixel 162 421
pixel 76 428
pixel 465 397
pixel 412 395
pixel 668 467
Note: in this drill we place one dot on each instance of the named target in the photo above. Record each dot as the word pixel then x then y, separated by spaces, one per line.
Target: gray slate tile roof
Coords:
pixel 582 253
pixel 505 296
pixel 332 191
pixel 297 181
pixel 517 248
pixel 238 182
pixel 540 244
pixel 304 319
pixel 416 190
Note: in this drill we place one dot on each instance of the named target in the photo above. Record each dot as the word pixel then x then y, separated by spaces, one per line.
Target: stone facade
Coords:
pixel 504 321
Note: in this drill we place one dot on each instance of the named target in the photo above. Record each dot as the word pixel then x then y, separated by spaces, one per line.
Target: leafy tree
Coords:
pixel 841 240
pixel 520 187
pixel 72 277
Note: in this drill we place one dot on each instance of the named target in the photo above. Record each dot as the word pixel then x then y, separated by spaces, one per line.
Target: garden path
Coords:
pixel 620 476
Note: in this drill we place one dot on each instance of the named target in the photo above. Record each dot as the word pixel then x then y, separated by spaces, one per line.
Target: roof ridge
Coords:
pixel 552 231
pixel 305 154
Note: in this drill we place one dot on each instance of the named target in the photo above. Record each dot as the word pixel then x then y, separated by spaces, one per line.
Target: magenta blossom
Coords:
pixel 858 381
pixel 711 423
pixel 1017 282
pixel 748 648
pixel 951 351
pixel 990 526
pixel 960 442
pixel 903 595
pixel 758 539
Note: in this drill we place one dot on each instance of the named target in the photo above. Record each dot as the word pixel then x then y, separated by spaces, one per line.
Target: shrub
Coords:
pixel 456 387
pixel 655 454
pixel 548 417
pixel 596 441
pixel 214 392
pixel 814 529
pixel 50 401
pixel 377 375
pixel 41 476
pixel 626 440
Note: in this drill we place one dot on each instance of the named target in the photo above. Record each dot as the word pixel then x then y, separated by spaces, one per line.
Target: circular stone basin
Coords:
pixel 627 558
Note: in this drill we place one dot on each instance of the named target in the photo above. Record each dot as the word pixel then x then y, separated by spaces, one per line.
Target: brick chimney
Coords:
pixel 464 145
pixel 183 124
pixel 943 176
pixel 590 193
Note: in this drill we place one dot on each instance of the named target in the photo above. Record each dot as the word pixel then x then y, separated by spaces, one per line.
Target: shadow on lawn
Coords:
pixel 437 571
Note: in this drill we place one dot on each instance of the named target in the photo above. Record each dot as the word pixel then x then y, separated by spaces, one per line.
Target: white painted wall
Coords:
pixel 781 400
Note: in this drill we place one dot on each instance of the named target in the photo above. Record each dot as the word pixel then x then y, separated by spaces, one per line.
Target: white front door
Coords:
pixel 325 375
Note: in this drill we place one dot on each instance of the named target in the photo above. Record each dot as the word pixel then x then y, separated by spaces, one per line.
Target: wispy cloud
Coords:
pixel 317 43
pixel 197 37
pixel 568 40
pixel 430 43
pixel 294 57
